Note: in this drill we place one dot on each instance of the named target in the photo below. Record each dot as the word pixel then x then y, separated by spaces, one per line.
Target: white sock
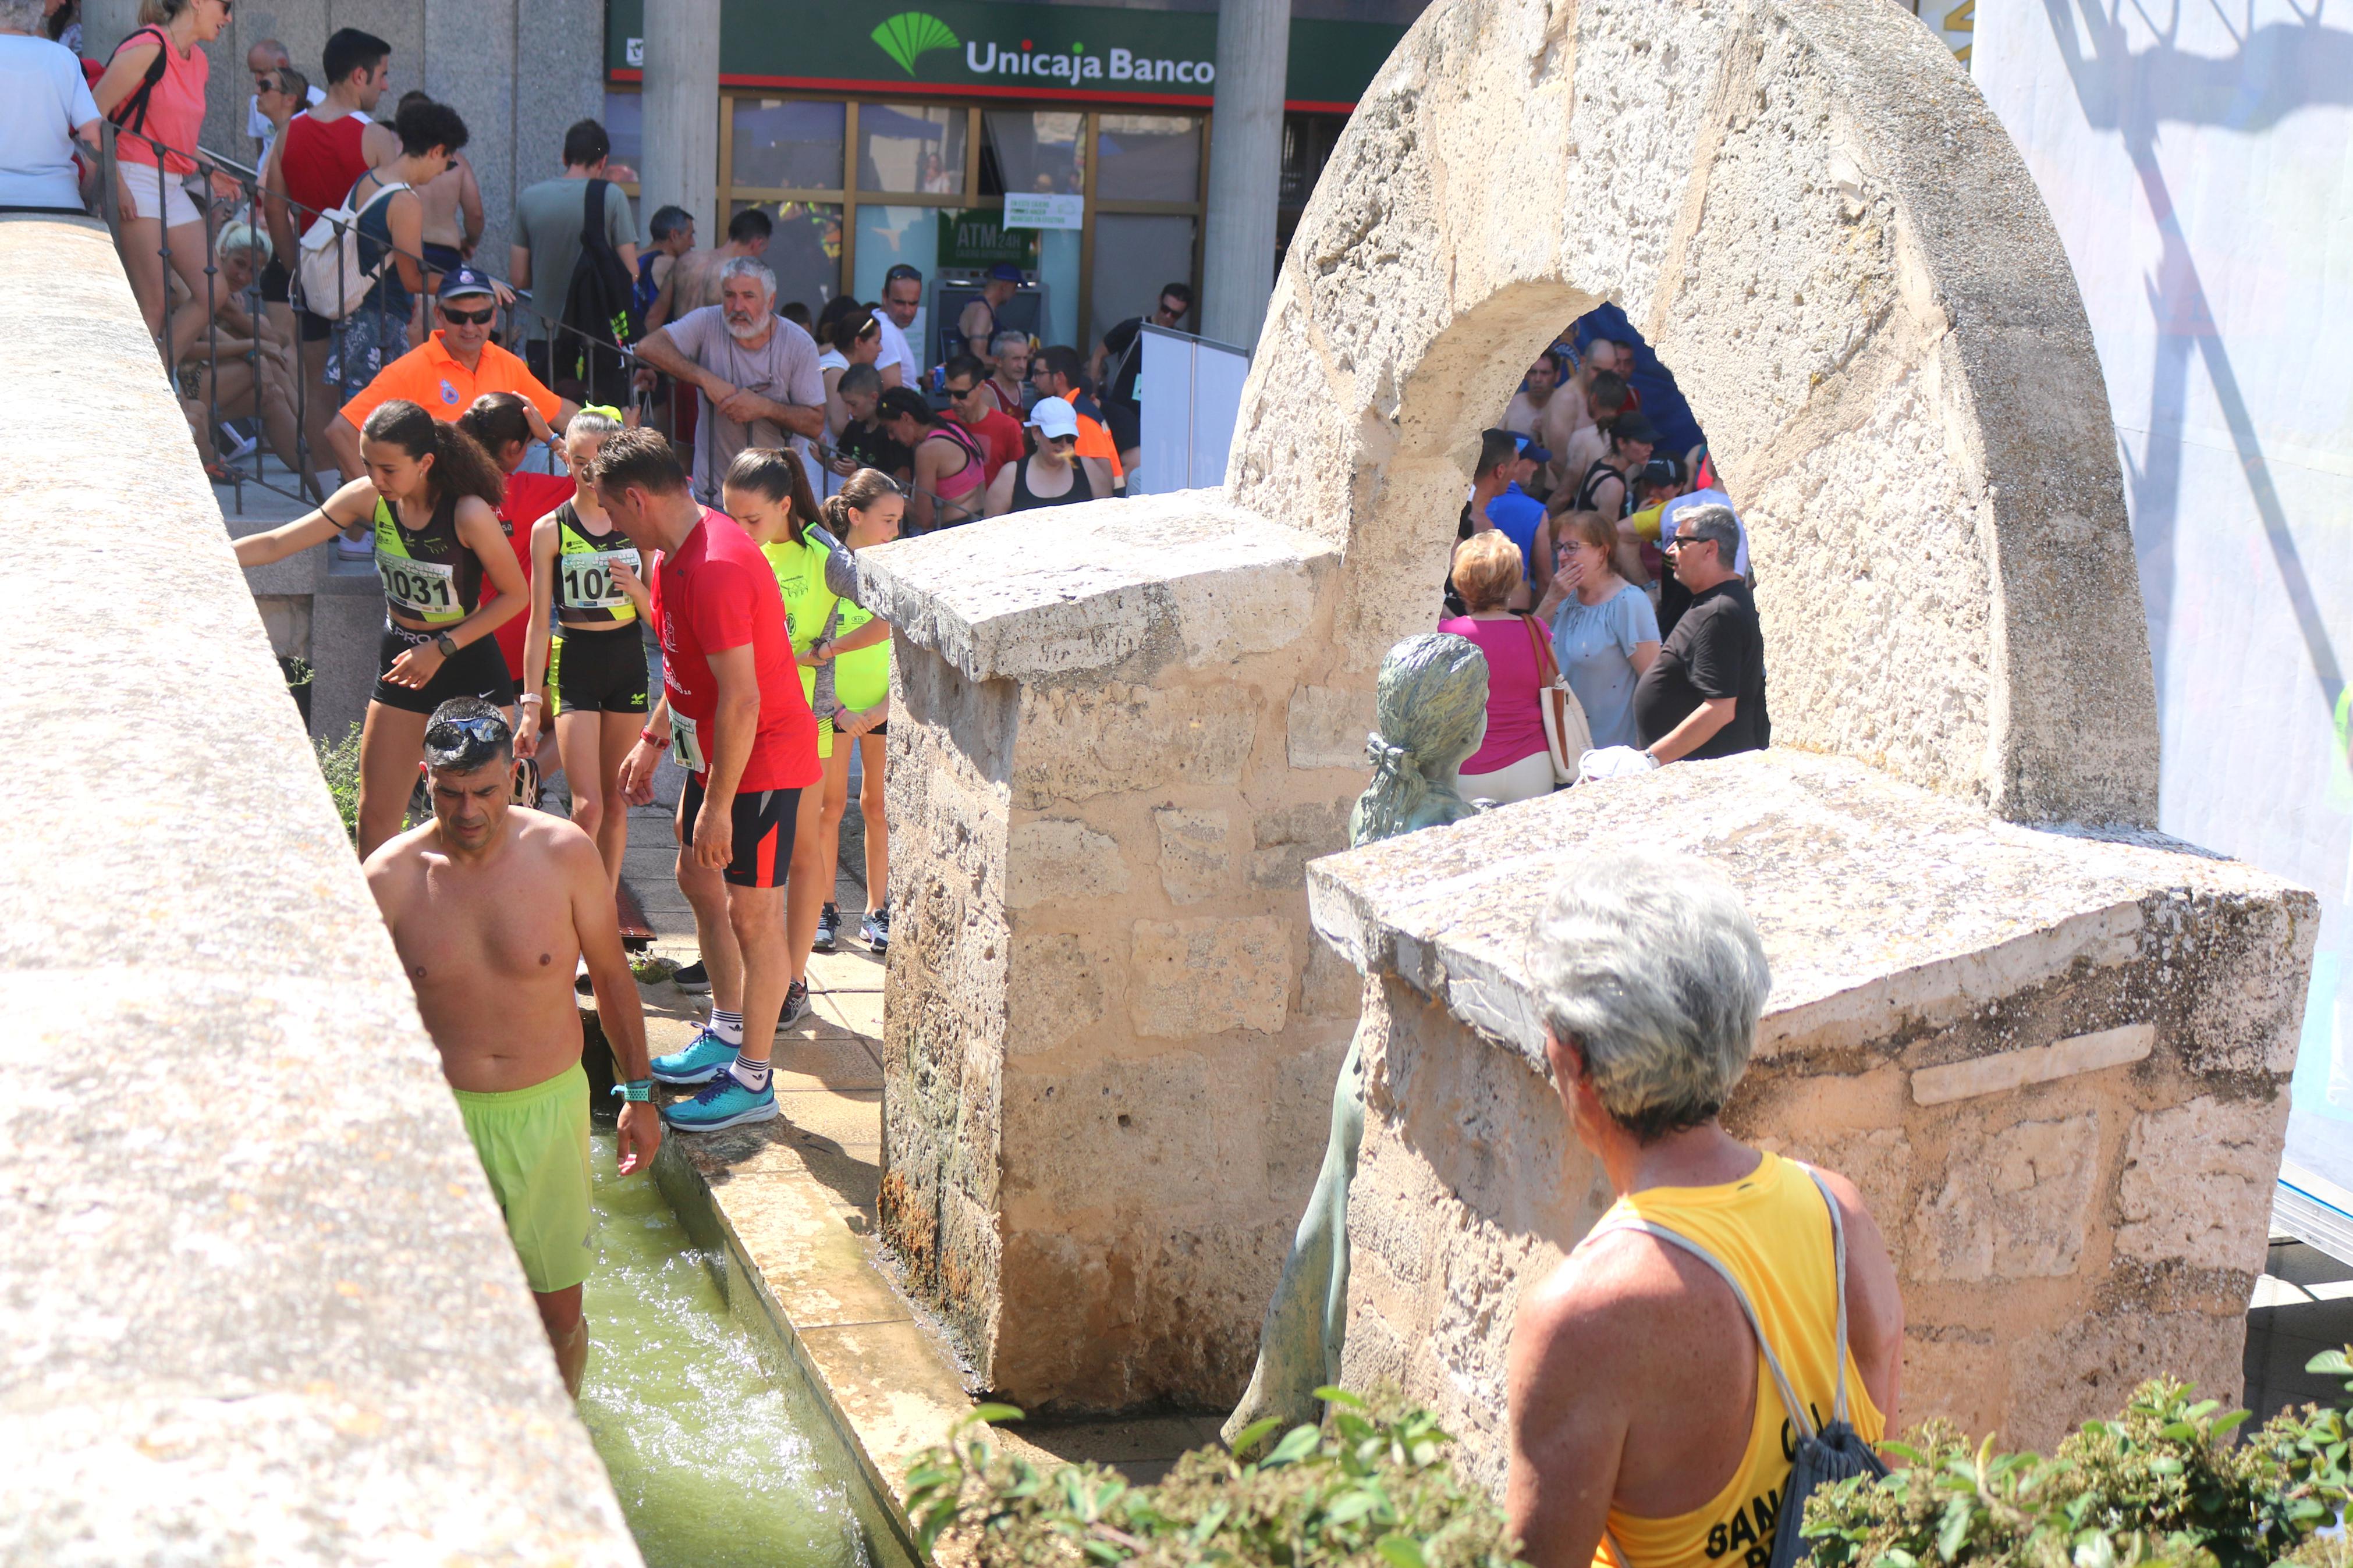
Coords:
pixel 728 1027
pixel 752 1075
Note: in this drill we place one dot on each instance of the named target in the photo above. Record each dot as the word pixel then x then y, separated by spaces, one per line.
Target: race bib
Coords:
pixel 587 581
pixel 688 744
pixel 427 590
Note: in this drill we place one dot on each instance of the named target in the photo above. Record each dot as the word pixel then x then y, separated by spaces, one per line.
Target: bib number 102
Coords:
pixel 590 584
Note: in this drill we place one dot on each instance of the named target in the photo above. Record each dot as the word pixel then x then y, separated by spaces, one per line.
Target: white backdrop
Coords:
pixel 2195 156
pixel 1191 390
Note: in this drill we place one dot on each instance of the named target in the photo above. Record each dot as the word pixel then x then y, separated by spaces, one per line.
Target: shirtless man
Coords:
pixel 453 215
pixel 1542 411
pixel 489 905
pixel 693 278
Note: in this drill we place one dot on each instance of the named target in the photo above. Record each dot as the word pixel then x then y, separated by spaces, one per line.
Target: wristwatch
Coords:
pixel 446 644
pixel 637 1090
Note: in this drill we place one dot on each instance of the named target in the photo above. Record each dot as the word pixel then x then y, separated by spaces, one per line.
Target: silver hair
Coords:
pixel 22 15
pixel 1004 341
pixel 235 237
pixel 1711 520
pixel 745 267
pixel 1649 965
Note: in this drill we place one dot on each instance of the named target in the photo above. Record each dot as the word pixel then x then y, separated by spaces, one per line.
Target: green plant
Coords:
pixel 1371 1489
pixel 338 763
pixel 2161 1483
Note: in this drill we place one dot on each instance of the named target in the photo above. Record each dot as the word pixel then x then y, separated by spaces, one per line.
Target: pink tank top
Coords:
pixel 176 109
pixel 964 480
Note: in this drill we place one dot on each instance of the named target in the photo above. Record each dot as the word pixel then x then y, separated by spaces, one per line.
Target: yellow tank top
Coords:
pixel 1773 1233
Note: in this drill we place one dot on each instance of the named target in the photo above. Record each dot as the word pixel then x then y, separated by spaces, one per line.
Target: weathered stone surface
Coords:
pixel 259 1312
pixel 1205 976
pixel 1196 857
pixel 1054 989
pixel 2013 1205
pixel 1860 291
pixel 1285 840
pixel 1909 935
pixel 1328 725
pixel 2197 1182
pixel 1079 742
pixel 1060 859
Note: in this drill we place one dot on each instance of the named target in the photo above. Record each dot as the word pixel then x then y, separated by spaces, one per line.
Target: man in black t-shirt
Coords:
pixel 1123 349
pixel 1704 696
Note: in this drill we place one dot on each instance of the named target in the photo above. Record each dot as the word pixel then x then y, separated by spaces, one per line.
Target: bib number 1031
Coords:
pixel 423 588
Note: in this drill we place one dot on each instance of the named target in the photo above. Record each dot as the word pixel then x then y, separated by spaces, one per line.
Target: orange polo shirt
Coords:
pixel 431 377
pixel 1094 441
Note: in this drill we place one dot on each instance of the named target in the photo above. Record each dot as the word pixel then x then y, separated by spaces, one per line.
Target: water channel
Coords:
pixel 721 1451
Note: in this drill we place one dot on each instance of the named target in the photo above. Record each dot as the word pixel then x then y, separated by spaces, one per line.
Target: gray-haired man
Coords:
pixel 756 373
pixel 1652 1395
pixel 1704 696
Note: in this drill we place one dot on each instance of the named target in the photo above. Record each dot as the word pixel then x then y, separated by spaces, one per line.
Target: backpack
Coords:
pixel 1831 1452
pixel 600 299
pixel 130 114
pixel 329 268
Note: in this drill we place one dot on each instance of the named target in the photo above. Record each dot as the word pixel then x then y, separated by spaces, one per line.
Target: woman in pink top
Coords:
pixel 1513 763
pixel 156 210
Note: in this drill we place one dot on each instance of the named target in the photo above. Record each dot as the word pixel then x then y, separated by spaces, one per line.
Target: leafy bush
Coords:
pixel 339 761
pixel 2161 1483
pixel 1372 1488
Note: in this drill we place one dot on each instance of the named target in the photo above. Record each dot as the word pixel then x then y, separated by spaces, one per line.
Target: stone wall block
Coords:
pixel 1080 742
pixel 1197 861
pixel 1205 976
pixel 1059 859
pixel 2013 1203
pixel 1233 615
pixel 1173 1129
pixel 2246 1008
pixel 1328 725
pixel 2197 1185
pixel 1284 840
pixel 1054 988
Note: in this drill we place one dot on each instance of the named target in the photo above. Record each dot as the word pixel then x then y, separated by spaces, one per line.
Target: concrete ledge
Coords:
pixel 1173 577
pixel 263 1308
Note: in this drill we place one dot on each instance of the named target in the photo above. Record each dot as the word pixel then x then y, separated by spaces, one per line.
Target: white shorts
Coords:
pixel 171 203
pixel 1527 779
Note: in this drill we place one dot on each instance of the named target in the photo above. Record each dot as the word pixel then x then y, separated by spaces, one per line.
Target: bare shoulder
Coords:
pixel 1604 1298
pixel 397 865
pixel 552 838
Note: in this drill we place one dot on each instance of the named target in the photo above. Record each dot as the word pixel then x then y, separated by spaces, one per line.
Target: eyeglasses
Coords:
pixel 1681 540
pixel 961 393
pixel 1061 440
pixel 449 734
pixel 482 318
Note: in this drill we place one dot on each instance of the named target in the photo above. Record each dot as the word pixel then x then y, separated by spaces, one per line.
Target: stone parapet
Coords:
pixel 260 1305
pixel 1106 1048
pixel 2055 1063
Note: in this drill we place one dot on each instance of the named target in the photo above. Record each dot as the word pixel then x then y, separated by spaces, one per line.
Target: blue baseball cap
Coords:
pixel 1005 272
pixel 1530 450
pixel 460 281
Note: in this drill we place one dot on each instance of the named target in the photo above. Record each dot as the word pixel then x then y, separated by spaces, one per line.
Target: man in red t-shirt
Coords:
pixel 965 381
pixel 732 700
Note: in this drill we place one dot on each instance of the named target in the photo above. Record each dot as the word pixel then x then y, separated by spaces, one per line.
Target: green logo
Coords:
pixel 910 35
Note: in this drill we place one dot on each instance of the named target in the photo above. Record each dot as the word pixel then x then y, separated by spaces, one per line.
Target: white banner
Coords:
pixel 1030 209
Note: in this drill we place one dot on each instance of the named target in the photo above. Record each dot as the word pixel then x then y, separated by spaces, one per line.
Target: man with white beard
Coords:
pixel 756 373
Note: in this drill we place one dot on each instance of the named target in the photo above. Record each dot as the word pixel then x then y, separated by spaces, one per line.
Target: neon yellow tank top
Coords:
pixel 808 603
pixel 1770 1231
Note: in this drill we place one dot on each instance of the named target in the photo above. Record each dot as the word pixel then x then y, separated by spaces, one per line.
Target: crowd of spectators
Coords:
pixel 1590 557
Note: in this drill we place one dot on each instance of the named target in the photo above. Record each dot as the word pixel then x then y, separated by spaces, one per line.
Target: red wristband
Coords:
pixel 647 737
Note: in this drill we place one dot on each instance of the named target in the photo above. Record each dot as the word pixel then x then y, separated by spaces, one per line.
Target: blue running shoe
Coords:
pixel 722 1102
pixel 699 1063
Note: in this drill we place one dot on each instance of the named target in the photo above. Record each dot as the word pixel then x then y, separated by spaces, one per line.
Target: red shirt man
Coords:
pixel 716 592
pixel 969 403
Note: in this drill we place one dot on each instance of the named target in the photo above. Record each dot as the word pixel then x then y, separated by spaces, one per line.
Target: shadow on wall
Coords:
pixel 2277 69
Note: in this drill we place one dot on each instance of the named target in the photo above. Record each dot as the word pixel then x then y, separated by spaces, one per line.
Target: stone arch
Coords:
pixel 1813 216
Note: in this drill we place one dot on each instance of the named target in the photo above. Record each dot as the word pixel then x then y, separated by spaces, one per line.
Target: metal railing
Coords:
pixel 519 315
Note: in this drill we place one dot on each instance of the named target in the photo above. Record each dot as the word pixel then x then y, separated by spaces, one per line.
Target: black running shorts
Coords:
pixel 764 833
pixel 599 671
pixel 479 670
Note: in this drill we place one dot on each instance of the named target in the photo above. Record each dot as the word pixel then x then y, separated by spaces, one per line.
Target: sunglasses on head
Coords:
pixel 482 317
pixel 449 734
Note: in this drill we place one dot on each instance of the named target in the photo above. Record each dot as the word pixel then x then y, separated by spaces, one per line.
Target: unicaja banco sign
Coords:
pixel 1083 53
pixel 910 35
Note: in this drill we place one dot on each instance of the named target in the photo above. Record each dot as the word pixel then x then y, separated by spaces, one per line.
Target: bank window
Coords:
pixel 1148 157
pixel 1135 254
pixel 805 251
pixel 786 144
pixel 909 149
pixel 1032 150
pixel 624 125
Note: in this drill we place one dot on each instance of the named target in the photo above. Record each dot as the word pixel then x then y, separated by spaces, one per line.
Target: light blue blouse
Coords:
pixel 1593 644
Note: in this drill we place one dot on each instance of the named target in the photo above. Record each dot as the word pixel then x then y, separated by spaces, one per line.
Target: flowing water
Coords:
pixel 716 1462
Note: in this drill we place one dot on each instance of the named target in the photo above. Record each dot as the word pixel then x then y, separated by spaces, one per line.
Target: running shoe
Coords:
pixel 828 924
pixel 699 1063
pixel 797 1005
pixel 877 929
pixel 693 978
pixel 722 1102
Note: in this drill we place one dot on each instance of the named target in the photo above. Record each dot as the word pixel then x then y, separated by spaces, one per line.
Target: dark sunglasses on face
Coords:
pixel 470 318
pixel 1061 440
